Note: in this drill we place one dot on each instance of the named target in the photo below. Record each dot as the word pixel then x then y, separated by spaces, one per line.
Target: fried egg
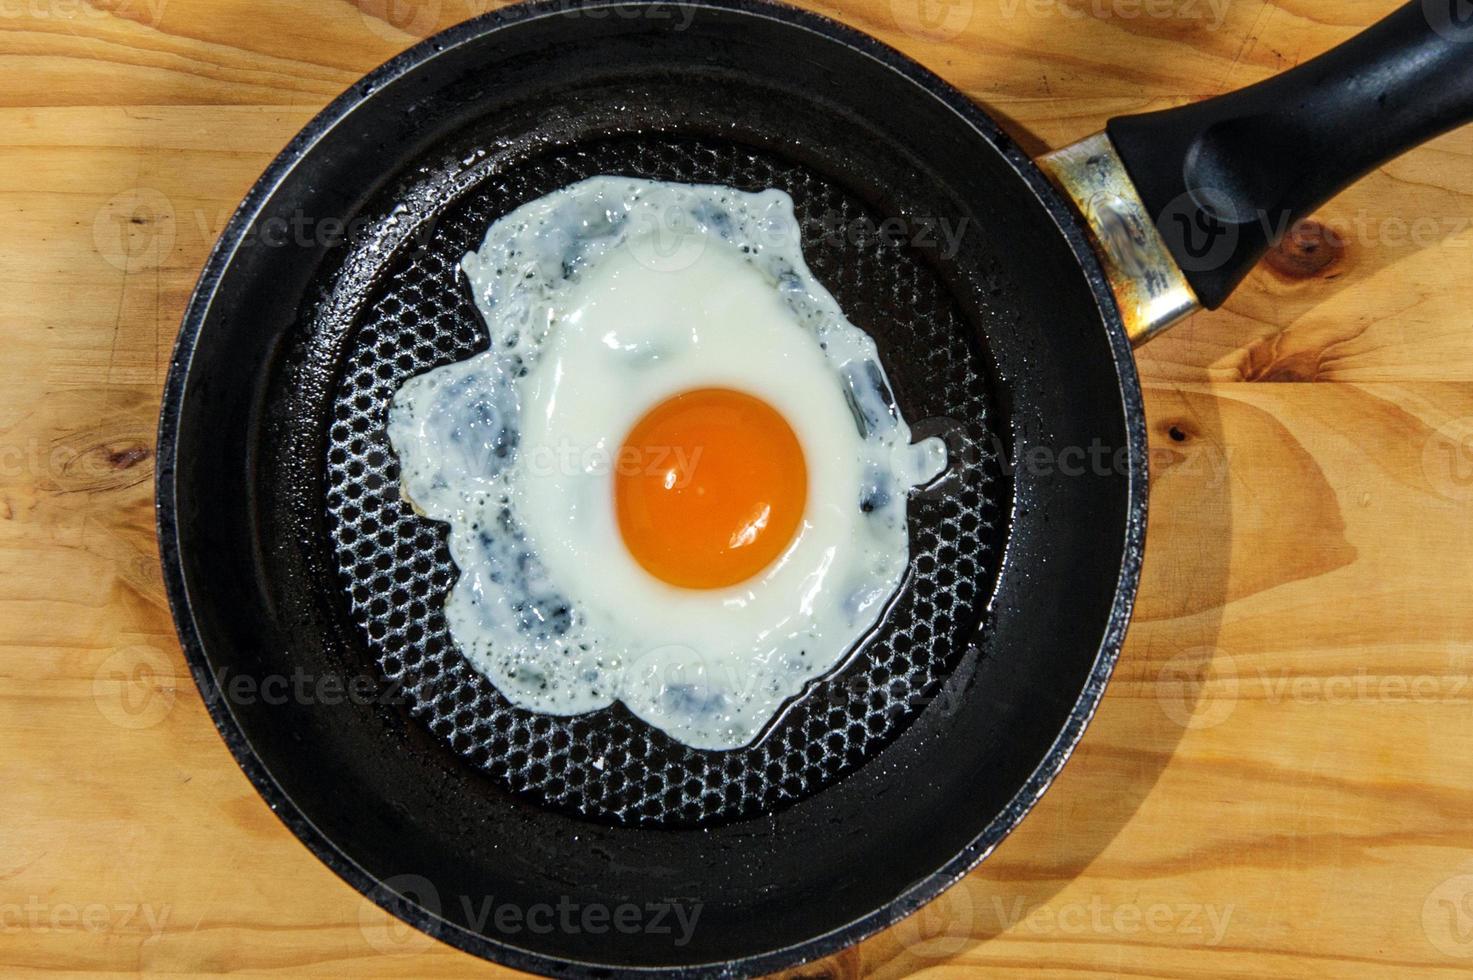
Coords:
pixel 676 477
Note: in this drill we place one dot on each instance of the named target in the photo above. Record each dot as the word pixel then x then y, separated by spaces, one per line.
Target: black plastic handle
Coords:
pixel 1227 178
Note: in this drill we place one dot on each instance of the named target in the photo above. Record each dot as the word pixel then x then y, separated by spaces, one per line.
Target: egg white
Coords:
pixel 603 300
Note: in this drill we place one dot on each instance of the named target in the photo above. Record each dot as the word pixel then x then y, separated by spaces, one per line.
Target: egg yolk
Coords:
pixel 709 488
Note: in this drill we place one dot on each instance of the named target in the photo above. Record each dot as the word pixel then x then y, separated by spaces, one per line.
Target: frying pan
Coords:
pixel 1004 296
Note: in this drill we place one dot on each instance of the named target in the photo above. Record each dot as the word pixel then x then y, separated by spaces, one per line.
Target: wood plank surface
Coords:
pixel 1280 780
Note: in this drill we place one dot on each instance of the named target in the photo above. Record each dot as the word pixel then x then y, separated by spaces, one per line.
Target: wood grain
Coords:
pixel 1280 779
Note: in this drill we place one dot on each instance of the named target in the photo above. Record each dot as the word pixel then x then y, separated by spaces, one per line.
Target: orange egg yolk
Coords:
pixel 709 488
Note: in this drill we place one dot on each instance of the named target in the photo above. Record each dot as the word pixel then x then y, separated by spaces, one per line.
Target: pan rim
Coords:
pixel 197 311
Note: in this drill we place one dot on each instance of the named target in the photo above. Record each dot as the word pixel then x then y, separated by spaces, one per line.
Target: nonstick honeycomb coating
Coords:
pixel 395 568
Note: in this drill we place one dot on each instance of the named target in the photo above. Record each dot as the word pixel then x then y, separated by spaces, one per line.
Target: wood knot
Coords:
pixel 1175 450
pixel 1307 251
pixel 80 464
pixel 1288 358
pixel 123 459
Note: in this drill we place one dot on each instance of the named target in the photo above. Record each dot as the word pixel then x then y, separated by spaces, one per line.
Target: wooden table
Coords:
pixel 1281 778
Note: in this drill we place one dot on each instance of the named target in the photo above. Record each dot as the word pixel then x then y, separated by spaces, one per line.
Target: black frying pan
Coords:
pixel 1004 303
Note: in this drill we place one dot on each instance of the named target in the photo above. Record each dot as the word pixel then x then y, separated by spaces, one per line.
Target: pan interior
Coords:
pixel 393 568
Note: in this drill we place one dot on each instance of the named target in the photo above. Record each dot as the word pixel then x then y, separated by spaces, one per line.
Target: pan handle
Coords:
pixel 1245 166
pixel 1222 181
